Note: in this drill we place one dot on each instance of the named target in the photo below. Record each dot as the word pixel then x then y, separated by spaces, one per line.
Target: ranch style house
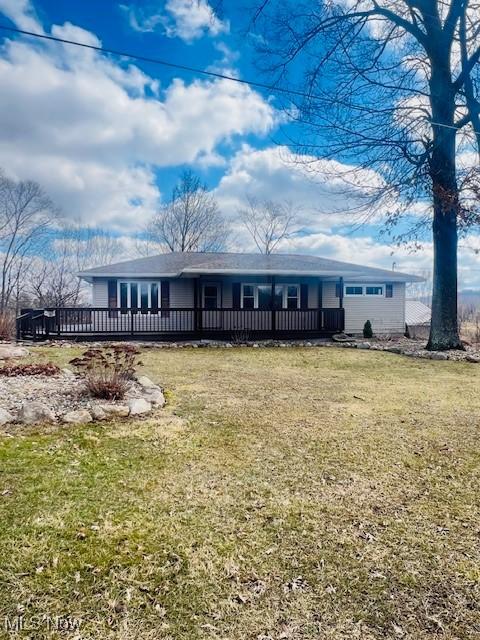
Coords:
pixel 223 295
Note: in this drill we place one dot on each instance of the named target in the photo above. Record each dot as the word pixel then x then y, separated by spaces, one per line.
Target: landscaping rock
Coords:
pixel 115 410
pixel 9 351
pixel 393 350
pixel 81 416
pixel 139 406
pixel 438 355
pixel 341 337
pixel 5 417
pixel 156 397
pixel 36 413
pixel 472 358
pixel 363 345
pixel 146 383
pixel 68 373
pixel 98 413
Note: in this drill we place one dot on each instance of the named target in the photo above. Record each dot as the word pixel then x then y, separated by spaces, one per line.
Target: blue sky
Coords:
pixel 106 137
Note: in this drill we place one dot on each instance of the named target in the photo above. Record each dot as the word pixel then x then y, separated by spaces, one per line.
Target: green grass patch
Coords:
pixel 283 493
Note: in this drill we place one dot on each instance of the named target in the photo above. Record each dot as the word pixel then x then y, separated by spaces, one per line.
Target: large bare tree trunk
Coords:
pixel 444 326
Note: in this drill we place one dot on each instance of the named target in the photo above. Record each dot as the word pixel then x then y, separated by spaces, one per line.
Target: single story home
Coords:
pixel 175 295
pixel 417 319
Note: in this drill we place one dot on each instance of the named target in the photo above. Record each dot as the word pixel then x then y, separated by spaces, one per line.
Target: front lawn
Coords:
pixel 283 494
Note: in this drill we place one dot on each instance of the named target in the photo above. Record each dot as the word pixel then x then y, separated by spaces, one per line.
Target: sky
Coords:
pixel 107 137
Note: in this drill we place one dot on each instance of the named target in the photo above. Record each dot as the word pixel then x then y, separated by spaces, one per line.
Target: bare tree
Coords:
pixel 421 290
pixel 26 218
pixel 391 86
pixel 190 221
pixel 268 222
pixel 54 281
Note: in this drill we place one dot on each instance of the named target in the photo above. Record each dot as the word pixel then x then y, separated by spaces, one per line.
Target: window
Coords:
pixel 365 290
pixel 144 297
pixel 134 296
pixel 248 298
pixel 124 296
pixel 264 293
pixel 353 290
pixel 389 290
pixel 139 295
pixel 154 296
pixel 259 296
pixel 210 295
pixel 293 298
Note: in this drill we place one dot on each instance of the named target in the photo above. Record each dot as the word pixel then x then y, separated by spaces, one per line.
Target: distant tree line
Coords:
pixel 41 252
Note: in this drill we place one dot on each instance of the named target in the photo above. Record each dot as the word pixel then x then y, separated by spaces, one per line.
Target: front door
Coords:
pixel 211 303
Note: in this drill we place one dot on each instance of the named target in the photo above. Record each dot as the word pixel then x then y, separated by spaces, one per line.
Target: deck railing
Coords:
pixel 40 324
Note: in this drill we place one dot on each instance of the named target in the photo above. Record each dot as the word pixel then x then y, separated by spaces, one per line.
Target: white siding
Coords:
pixel 100 293
pixel 387 315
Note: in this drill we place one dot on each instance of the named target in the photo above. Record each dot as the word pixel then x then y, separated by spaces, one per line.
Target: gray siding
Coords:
pixel 387 315
pixel 182 293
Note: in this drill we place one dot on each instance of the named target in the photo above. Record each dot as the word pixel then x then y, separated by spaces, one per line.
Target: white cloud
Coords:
pixel 185 19
pixel 22 14
pixel 92 130
pixel 326 192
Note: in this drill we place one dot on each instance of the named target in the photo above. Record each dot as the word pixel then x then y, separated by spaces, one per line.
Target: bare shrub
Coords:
pixel 12 370
pixel 108 371
pixel 7 326
pixel 240 336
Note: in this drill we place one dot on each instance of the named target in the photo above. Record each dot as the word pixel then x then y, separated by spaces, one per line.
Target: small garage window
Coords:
pixel 374 290
pixel 351 290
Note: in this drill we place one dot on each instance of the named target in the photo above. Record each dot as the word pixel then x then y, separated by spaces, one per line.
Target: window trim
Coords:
pixel 375 295
pixel 139 283
pixel 364 293
pixel 285 295
pixel 353 295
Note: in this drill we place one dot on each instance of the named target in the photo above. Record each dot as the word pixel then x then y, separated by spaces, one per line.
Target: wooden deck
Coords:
pixel 175 323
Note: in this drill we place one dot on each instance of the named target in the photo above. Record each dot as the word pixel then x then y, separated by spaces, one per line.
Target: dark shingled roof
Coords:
pixel 177 264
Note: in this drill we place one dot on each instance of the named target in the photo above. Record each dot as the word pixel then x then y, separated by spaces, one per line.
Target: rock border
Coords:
pixel 397 345
pixel 149 397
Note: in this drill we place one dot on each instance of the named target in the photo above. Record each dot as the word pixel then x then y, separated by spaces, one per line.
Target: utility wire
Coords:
pixel 165 63
pixel 183 67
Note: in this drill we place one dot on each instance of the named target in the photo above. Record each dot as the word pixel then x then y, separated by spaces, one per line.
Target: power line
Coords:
pixel 183 67
pixel 165 63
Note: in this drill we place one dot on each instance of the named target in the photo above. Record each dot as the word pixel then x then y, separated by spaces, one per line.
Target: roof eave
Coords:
pixel 372 277
pixel 352 276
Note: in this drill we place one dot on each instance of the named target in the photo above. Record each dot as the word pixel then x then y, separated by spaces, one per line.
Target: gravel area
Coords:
pixel 63 393
pixel 37 399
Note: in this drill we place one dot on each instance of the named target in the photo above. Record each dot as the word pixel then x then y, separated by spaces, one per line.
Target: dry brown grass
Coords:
pixel 284 494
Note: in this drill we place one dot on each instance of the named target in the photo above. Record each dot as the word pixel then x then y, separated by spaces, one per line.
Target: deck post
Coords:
pixel 340 299
pixel 272 302
pixel 196 313
pixel 320 304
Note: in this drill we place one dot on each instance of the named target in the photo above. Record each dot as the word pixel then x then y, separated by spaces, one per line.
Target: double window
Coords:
pixel 377 290
pixel 141 295
pixel 259 296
